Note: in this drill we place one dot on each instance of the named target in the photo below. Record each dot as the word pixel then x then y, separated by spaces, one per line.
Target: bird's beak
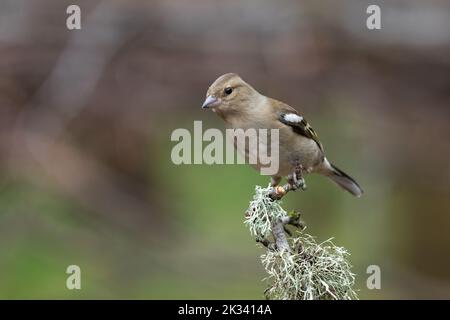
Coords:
pixel 210 102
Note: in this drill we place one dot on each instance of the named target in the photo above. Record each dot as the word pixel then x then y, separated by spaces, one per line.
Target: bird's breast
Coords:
pixel 287 147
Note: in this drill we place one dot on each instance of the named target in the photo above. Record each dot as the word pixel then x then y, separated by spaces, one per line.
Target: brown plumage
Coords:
pixel 300 151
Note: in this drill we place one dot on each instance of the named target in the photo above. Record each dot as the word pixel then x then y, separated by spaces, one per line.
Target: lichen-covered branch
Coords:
pixel 298 267
pixel 279 192
pixel 279 235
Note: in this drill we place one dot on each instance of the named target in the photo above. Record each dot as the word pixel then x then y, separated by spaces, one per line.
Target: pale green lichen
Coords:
pixel 261 212
pixel 310 270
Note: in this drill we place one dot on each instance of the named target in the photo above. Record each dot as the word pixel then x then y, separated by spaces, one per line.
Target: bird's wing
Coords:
pixel 289 116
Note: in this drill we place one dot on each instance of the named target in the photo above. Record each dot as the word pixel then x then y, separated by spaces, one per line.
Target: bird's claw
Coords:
pixel 295 179
pixel 299 184
pixel 296 182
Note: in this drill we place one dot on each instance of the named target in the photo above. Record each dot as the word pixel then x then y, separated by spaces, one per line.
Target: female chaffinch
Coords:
pixel 300 151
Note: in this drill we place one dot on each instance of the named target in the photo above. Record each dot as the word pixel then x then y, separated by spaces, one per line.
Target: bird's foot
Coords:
pixel 296 180
pixel 297 184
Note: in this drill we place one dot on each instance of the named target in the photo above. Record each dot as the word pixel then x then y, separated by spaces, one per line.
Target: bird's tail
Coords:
pixel 342 179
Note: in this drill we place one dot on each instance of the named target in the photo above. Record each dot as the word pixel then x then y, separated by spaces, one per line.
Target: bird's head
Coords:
pixel 229 94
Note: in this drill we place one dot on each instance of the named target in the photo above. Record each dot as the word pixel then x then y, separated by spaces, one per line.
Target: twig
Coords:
pixel 279 192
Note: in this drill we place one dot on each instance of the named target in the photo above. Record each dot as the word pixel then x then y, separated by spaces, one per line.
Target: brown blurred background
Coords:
pixel 85 123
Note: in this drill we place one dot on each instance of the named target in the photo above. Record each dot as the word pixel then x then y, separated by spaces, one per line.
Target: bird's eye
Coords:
pixel 228 90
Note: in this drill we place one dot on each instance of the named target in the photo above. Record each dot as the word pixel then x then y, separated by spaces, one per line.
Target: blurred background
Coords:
pixel 86 117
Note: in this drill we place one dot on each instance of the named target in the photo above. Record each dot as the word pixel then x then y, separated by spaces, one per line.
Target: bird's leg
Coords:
pixel 299 171
pixel 295 179
pixel 274 181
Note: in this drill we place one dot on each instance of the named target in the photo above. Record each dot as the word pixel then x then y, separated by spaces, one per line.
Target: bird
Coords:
pixel 300 150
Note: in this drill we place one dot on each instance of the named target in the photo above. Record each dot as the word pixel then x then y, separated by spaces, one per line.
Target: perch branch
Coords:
pixel 279 192
pixel 279 229
pixel 295 181
pixel 279 235
pixel 298 267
